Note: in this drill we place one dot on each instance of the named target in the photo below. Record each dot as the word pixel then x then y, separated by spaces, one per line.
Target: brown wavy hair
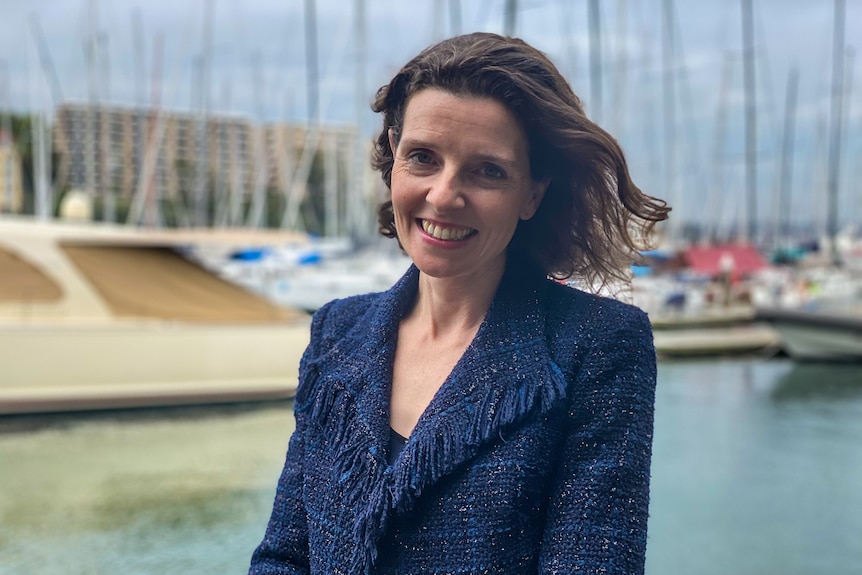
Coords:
pixel 593 219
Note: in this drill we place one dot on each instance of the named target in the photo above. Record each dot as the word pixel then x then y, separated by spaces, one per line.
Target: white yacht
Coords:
pixel 95 317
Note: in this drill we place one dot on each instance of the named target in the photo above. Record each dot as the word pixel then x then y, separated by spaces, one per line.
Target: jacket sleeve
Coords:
pixel 598 501
pixel 284 549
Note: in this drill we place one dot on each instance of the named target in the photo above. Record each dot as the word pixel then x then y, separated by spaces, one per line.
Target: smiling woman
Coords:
pixel 479 417
pixel 460 184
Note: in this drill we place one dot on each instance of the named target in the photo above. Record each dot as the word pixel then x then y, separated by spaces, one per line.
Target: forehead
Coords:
pixel 438 115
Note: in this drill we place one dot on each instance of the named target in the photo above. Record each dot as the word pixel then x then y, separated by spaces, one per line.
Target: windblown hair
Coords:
pixel 593 218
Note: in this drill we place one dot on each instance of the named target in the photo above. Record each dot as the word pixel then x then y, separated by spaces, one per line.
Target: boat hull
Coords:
pixel 49 368
pixel 815 336
pixel 754 339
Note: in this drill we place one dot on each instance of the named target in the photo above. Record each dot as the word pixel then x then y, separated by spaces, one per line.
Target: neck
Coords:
pixel 448 307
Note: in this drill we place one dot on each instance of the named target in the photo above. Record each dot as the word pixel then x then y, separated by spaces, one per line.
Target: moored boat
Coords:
pixel 749 339
pixel 817 335
pixel 95 317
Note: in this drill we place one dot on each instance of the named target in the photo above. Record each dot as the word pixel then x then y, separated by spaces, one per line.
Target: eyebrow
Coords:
pixel 483 157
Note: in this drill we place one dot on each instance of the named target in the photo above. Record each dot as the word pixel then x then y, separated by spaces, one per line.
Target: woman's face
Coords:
pixel 460 184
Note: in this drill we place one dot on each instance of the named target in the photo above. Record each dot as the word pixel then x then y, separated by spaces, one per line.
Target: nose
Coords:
pixel 446 192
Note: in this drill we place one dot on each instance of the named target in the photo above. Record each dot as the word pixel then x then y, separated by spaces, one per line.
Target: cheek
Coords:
pixel 401 196
pixel 395 184
pixel 508 215
pixel 400 209
pixel 398 200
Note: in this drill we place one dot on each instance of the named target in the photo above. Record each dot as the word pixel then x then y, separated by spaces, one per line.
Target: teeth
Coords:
pixel 446 234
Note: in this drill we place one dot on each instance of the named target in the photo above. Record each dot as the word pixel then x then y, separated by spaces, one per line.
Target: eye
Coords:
pixel 420 157
pixel 493 172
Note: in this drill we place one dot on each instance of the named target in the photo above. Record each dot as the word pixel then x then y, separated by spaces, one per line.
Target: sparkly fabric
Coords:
pixel 396 446
pixel 533 457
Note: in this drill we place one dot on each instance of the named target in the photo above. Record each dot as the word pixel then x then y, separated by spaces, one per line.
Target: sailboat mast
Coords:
pixel 299 187
pixel 47 63
pixel 510 21
pixel 715 205
pixel 37 129
pixel 140 94
pixel 237 176
pixel 669 101
pixel 312 76
pixel 200 217
pixel 90 139
pixel 437 19
pixel 356 220
pixel 106 152
pixel 148 189
pixel 330 185
pixel 41 129
pixel 786 179
pixel 595 21
pixel 454 17
pixel 8 200
pixel 750 118
pixel 836 117
pixel 312 85
pixel 256 213
pixel 620 68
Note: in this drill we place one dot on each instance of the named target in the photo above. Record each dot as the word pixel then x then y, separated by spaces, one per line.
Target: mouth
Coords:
pixel 445 232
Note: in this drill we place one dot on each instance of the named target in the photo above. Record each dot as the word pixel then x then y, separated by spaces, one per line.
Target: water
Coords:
pixel 157 493
pixel 757 470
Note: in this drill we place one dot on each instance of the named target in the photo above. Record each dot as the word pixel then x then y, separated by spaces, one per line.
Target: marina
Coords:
pixel 178 198
pixel 756 469
pixel 104 301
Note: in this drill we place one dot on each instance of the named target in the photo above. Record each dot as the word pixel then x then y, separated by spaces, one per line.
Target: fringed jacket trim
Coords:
pixel 539 348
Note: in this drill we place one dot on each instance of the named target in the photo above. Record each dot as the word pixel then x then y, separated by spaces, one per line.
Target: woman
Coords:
pixel 479 417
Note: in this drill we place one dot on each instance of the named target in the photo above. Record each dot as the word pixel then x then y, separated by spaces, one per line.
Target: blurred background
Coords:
pixel 183 183
pixel 237 84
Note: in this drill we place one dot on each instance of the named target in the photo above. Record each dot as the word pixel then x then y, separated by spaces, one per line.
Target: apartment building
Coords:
pixel 124 151
pixel 11 183
pixel 109 149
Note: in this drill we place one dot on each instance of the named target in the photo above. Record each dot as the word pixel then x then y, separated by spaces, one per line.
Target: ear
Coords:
pixel 392 145
pixel 537 193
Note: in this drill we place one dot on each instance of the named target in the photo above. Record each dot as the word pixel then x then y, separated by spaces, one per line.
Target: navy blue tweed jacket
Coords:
pixel 533 457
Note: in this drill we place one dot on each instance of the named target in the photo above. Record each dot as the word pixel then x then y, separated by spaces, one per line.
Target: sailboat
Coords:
pixel 827 327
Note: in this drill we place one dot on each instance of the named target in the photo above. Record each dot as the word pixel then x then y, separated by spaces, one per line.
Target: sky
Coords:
pixel 156 52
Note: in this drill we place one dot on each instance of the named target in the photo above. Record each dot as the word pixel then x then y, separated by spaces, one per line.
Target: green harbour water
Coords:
pixel 757 469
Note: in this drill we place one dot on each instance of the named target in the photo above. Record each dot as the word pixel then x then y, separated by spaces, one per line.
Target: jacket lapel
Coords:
pixel 504 376
pixel 366 370
pixel 350 407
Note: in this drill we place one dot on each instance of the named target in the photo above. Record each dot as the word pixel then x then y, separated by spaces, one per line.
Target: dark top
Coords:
pixel 396 446
pixel 532 457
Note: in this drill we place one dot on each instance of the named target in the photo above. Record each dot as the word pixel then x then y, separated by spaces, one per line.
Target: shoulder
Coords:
pixel 340 313
pixel 350 332
pixel 584 328
pixel 337 330
pixel 357 316
pixel 570 309
pixel 341 317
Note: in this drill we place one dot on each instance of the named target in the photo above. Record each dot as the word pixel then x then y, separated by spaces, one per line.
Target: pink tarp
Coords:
pixel 736 259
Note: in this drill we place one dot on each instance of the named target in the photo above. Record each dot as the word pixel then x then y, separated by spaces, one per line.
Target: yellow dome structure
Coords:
pixel 76 205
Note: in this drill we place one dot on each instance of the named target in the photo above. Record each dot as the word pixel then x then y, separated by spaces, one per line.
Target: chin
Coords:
pixel 447 268
pixel 437 269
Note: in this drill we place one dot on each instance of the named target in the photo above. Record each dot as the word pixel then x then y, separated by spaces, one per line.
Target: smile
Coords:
pixel 445 233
